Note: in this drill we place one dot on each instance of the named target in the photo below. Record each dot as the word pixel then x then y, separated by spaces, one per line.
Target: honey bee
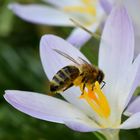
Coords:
pixel 81 71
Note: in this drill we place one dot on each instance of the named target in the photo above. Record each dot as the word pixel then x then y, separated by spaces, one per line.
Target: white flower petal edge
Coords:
pixel 51 109
pixel 133 107
pixel 132 122
pixel 79 37
pixel 41 14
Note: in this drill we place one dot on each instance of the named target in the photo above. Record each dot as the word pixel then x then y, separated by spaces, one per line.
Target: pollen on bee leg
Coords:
pixel 77 81
pixel 97 100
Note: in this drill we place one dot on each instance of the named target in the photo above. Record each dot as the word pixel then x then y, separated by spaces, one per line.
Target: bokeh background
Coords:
pixel 20 68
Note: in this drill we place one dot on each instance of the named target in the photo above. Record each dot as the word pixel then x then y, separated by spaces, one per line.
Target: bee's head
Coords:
pixel 100 76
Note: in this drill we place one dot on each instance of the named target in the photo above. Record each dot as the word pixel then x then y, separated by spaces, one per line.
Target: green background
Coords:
pixel 20 68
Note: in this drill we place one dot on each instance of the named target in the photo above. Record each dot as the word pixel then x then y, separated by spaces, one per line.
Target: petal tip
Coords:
pixel 48 36
pixel 9 95
pixel 13 6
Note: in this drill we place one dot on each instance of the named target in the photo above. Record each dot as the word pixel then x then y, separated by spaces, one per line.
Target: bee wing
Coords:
pixel 83 61
pixel 66 56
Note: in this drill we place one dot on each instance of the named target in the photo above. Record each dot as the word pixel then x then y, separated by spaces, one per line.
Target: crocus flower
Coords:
pixel 87 12
pixel 98 109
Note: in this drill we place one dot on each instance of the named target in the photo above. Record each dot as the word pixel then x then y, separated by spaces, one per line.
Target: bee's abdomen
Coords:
pixel 64 78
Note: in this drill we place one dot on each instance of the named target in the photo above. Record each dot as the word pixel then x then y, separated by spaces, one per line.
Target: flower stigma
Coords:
pixel 96 99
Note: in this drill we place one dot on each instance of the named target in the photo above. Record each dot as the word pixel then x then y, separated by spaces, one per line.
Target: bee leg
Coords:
pixel 84 80
pixel 104 83
pixel 93 86
pixel 84 85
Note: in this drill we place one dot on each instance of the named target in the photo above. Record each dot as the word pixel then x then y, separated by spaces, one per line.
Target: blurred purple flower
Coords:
pixel 87 12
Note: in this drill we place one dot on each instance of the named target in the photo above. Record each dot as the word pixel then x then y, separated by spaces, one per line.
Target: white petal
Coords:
pixel 133 107
pixel 128 84
pixel 132 122
pixel 117 44
pixel 63 3
pixel 41 14
pixel 51 60
pixel 133 76
pixel 116 56
pixel 44 107
pixel 79 37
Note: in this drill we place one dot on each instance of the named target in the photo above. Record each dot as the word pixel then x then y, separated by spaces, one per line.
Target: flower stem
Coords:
pixel 111 134
pixel 99 136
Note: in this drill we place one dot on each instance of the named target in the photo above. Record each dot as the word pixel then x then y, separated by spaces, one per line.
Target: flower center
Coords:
pixel 96 99
pixel 88 7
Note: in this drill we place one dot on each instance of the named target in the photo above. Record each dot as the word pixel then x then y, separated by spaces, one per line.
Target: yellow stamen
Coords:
pixel 88 7
pixel 87 1
pixel 96 99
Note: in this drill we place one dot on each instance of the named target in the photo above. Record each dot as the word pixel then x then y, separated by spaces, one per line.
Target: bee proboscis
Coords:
pixel 81 71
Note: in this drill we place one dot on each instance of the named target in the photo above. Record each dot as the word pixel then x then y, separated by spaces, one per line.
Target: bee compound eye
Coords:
pixel 100 78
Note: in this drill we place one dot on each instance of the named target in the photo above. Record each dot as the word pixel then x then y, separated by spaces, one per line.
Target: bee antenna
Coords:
pixel 96 36
pixel 76 23
pixel 104 83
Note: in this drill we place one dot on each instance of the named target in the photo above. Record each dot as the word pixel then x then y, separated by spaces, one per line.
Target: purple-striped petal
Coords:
pixel 42 106
pixel 50 109
pixel 47 108
pixel 41 14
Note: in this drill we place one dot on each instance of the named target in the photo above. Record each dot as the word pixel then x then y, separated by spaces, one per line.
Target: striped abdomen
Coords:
pixel 64 78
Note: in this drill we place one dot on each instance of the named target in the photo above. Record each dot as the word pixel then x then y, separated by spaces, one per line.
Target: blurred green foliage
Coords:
pixel 20 68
